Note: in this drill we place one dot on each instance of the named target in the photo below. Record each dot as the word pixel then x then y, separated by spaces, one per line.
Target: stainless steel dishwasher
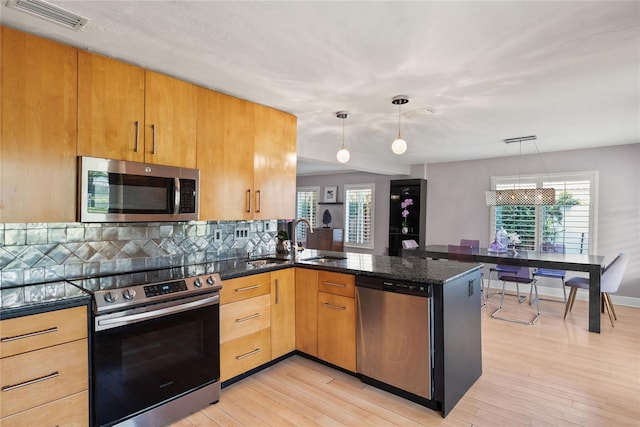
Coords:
pixel 394 336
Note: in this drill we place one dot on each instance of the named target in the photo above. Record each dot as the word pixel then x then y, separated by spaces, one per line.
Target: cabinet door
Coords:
pixel 283 312
pixel 307 311
pixel 110 108
pixel 337 330
pixel 225 156
pixel 170 121
pixel 38 137
pixel 274 164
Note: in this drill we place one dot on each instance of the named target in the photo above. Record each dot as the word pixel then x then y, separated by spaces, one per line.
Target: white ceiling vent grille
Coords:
pixel 49 12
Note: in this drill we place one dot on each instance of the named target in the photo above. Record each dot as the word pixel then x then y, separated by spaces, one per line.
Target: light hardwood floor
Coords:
pixel 554 373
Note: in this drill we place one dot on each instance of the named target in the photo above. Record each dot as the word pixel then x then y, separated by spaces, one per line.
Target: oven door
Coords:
pixel 153 356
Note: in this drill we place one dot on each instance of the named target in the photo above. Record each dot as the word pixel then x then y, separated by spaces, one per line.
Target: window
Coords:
pixel 567 225
pixel 358 214
pixel 306 207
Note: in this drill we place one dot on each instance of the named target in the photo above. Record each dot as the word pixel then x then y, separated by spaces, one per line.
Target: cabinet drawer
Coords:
pixel 242 354
pixel 337 283
pixel 41 376
pixel 28 333
pixel 244 317
pixel 68 411
pixel 245 287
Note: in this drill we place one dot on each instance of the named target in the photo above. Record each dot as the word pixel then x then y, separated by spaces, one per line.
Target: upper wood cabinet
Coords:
pixel 128 113
pixel 247 159
pixel 110 108
pixel 38 136
pixel 170 121
pixel 225 153
pixel 274 160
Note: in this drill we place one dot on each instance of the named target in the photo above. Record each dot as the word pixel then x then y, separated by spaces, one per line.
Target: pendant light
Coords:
pixel 521 196
pixel 343 154
pixel 399 146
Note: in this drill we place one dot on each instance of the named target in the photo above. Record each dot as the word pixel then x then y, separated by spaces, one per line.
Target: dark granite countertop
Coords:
pixel 30 299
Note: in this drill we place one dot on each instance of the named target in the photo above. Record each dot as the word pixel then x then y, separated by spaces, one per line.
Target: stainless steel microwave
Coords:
pixel 121 191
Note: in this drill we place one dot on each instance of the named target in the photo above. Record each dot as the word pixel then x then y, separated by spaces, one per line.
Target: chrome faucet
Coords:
pixel 295 235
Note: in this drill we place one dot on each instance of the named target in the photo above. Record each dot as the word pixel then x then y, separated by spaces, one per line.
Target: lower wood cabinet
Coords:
pixel 283 312
pixel 307 311
pixel 44 370
pixel 68 411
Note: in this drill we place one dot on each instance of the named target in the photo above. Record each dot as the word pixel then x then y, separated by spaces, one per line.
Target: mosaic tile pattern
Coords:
pixel 38 252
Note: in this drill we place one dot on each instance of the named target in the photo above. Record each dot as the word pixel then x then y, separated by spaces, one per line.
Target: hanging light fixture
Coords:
pixel 399 146
pixel 521 196
pixel 343 154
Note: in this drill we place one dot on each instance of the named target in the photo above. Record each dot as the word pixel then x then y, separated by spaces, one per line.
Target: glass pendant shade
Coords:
pixel 521 197
pixel 343 155
pixel 399 146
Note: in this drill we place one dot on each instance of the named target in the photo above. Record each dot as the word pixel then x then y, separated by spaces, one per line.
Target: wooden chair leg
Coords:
pixel 613 310
pixel 608 309
pixel 572 297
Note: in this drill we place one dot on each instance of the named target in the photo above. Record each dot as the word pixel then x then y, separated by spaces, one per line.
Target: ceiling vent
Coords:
pixel 49 12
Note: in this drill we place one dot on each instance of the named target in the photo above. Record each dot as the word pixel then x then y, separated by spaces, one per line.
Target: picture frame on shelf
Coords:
pixel 330 194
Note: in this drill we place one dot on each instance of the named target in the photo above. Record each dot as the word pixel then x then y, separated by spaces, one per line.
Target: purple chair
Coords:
pixel 610 282
pixel 521 275
pixel 548 272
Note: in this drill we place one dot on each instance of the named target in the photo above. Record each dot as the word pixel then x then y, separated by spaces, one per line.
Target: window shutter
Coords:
pixel 359 216
pixel 306 207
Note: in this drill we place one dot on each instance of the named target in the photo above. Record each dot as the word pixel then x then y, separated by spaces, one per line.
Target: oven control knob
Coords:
pixel 110 297
pixel 197 283
pixel 211 281
pixel 129 294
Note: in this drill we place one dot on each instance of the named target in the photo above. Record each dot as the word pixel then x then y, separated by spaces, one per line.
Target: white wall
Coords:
pixel 456 206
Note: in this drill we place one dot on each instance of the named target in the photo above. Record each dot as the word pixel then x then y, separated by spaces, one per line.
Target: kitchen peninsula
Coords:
pixel 454 328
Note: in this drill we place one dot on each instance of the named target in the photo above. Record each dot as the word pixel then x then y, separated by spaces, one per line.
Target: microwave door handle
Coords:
pixel 176 196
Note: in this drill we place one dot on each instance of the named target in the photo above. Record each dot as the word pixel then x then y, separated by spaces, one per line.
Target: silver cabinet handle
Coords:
pixel 340 285
pixel 277 292
pixel 248 201
pixel 258 203
pixel 30 334
pixel 251 353
pixel 137 148
pixel 33 381
pixel 244 319
pixel 247 288
pixel 337 307
pixel 153 147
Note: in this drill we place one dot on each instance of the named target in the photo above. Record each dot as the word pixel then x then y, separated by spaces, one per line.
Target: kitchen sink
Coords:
pixel 264 262
pixel 324 259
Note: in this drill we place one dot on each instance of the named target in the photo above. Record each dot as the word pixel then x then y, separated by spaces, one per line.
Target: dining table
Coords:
pixel 590 264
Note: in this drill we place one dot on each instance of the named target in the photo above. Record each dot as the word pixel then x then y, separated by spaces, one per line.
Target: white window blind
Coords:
pixel 568 225
pixel 358 213
pixel 306 207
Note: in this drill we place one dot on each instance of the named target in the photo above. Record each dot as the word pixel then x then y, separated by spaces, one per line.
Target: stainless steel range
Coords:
pixel 156 350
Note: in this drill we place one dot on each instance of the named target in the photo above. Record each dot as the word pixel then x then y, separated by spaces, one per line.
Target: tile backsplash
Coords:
pixel 42 252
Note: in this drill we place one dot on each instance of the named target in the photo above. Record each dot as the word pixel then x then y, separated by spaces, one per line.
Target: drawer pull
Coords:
pixel 340 285
pixel 247 288
pixel 33 381
pixel 251 353
pixel 30 334
pixel 337 307
pixel 253 316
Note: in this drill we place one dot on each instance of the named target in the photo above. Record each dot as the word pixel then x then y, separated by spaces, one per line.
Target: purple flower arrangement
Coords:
pixel 405 212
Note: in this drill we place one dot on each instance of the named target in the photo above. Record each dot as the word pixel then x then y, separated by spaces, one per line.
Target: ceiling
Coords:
pixel 475 72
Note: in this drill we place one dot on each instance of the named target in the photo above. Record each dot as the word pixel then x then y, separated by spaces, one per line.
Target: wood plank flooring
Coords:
pixel 554 373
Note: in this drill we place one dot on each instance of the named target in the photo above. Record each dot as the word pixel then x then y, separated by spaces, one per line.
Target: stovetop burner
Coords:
pixel 123 291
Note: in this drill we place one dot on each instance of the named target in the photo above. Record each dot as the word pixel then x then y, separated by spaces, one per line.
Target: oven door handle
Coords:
pixel 103 324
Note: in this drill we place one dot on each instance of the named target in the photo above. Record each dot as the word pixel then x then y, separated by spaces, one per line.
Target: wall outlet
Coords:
pixel 217 235
pixel 242 232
